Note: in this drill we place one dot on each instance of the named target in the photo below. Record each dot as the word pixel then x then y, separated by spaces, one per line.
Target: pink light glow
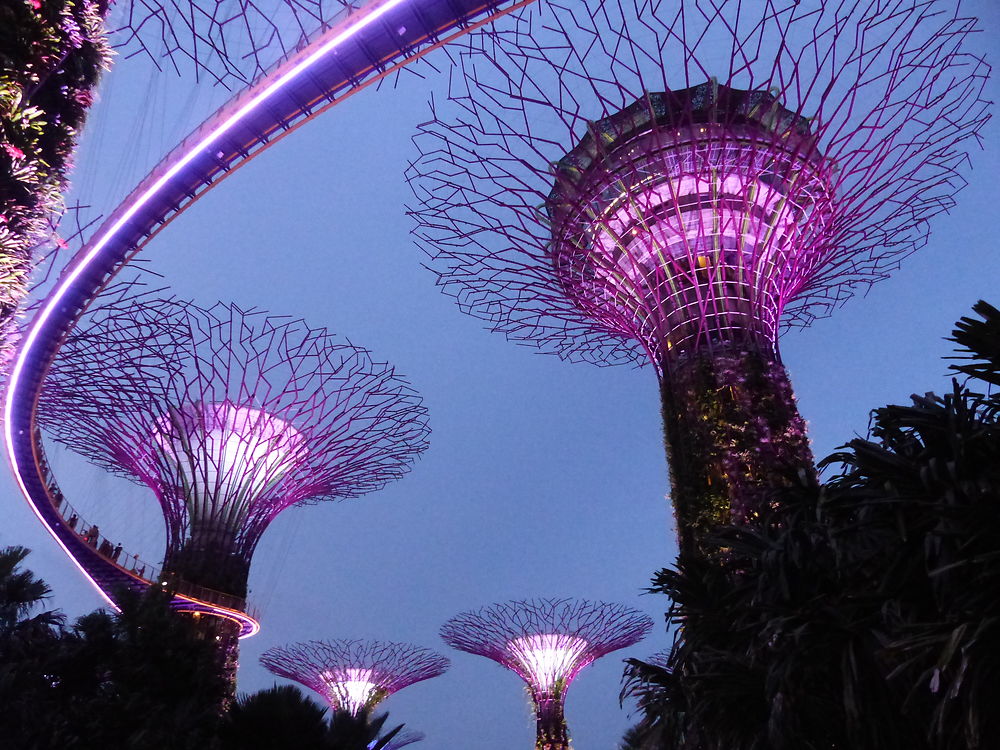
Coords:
pixel 708 224
pixel 549 658
pixel 351 688
pixel 296 66
pixel 226 457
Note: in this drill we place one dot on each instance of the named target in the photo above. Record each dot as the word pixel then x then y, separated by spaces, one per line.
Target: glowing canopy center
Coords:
pixel 225 457
pixel 691 218
pixel 548 658
pixel 352 688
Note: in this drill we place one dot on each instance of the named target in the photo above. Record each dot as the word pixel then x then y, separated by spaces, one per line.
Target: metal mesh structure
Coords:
pixel 622 181
pixel 228 42
pixel 547 642
pixel 355 675
pixel 229 416
pixel 613 179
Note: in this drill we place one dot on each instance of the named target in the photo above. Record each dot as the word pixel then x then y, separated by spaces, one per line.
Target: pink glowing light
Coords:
pixel 703 224
pixel 549 660
pixel 352 689
pixel 226 457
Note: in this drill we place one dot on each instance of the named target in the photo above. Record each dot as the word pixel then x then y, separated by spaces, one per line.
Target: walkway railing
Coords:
pixel 129 563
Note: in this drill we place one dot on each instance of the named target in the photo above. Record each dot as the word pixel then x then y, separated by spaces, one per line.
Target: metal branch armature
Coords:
pixel 355 675
pixel 228 42
pixel 609 179
pixel 547 642
pixel 229 416
pixel 673 183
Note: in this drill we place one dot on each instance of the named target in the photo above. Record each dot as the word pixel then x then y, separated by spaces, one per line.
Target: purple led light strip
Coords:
pixel 288 72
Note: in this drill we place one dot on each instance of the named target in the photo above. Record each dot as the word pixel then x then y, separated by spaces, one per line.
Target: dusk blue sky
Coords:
pixel 543 478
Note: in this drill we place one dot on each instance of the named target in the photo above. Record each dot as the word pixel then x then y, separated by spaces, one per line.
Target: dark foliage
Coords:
pixel 273 719
pixel 142 679
pixel 282 717
pixel 862 614
pixel 135 679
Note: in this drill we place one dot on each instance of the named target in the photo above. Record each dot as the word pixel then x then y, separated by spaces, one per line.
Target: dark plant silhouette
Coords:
pixel 135 679
pixel 864 613
pixel 283 717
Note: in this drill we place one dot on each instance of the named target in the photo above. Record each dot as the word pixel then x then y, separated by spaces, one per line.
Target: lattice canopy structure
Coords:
pixel 229 416
pixel 547 642
pixel 688 219
pixel 615 181
pixel 355 675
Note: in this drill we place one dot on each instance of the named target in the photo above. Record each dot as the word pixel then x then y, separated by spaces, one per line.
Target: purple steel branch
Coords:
pixel 355 675
pixel 616 181
pixel 229 416
pixel 547 642
pixel 230 42
pixel 871 105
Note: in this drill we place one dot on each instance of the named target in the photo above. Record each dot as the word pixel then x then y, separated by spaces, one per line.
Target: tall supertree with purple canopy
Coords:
pixel 229 416
pixel 354 676
pixel 617 181
pixel 547 642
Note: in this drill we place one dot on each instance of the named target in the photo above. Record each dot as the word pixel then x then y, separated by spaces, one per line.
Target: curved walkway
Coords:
pixel 366 46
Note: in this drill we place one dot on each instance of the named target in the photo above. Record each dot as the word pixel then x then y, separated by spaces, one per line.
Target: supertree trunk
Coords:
pixel 734 437
pixel 225 634
pixel 551 731
pixel 209 561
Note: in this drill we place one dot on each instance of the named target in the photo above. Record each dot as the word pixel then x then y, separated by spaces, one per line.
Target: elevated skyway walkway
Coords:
pixel 367 45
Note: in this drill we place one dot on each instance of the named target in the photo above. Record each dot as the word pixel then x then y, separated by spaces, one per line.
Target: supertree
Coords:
pixel 547 642
pixel 354 676
pixel 618 181
pixel 229 416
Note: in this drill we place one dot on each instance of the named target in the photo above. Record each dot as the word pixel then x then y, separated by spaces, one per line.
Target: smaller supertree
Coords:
pixel 547 642
pixel 354 675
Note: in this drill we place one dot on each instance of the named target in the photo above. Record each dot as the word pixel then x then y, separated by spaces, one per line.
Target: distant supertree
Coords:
pixel 618 181
pixel 354 675
pixel 229 416
pixel 547 642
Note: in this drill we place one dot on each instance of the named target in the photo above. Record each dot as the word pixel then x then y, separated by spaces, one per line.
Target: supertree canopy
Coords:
pixel 354 675
pixel 229 416
pixel 618 181
pixel 547 642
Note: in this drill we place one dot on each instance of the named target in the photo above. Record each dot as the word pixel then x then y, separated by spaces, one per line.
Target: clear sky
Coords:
pixel 543 478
